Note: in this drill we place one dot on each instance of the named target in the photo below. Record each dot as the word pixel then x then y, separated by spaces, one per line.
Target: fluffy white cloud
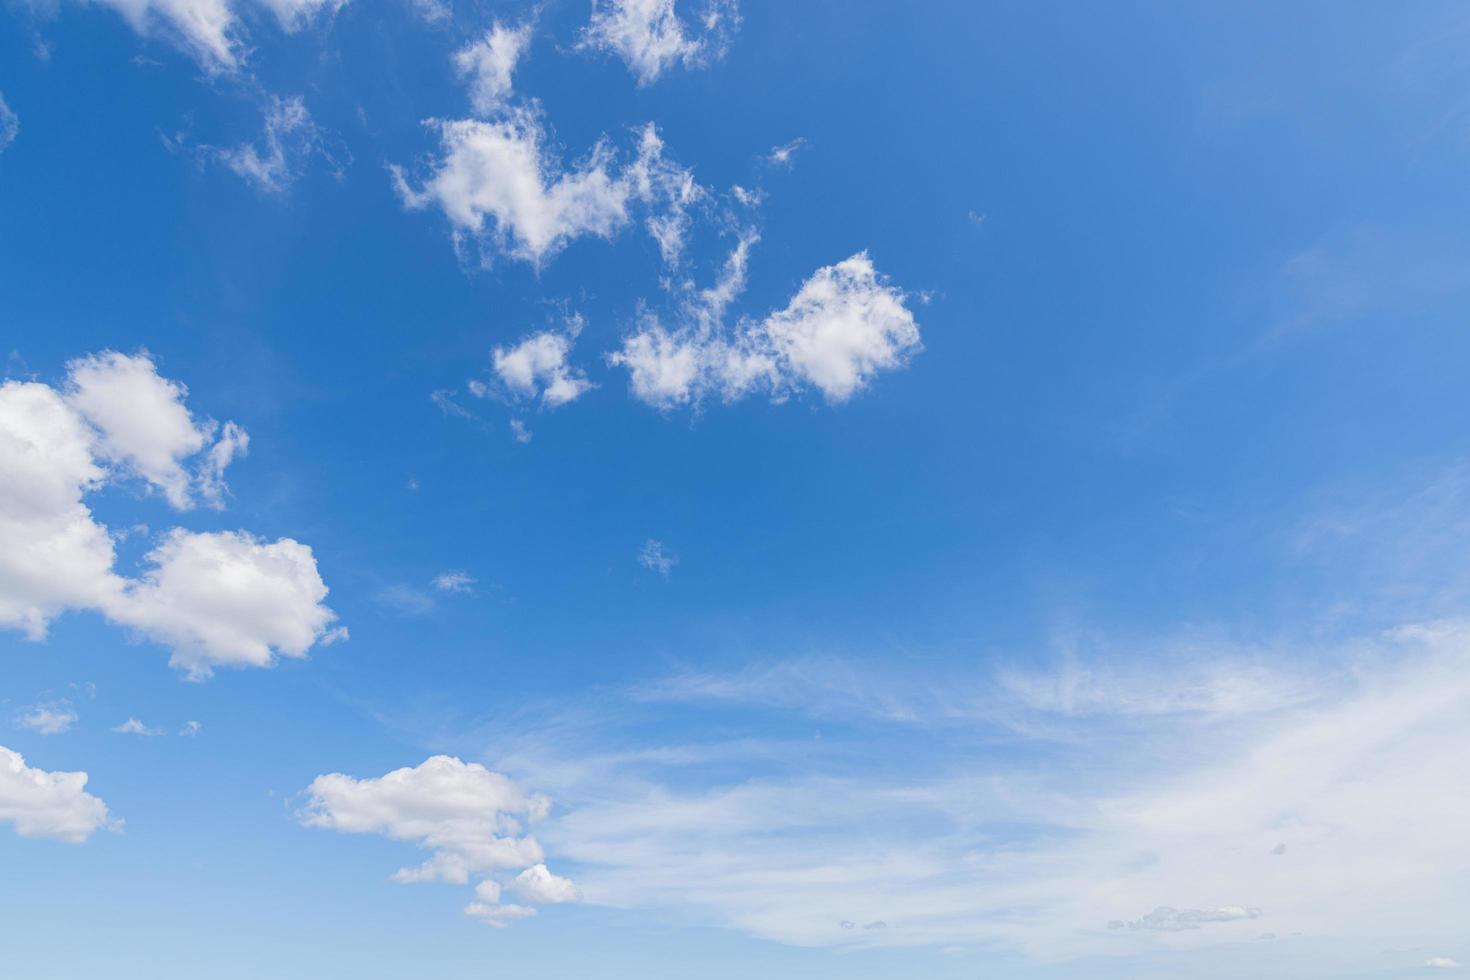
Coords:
pixel 845 325
pixel 50 718
pixel 144 427
pixel 650 37
pixel 221 598
pixel 9 124
pixel 290 138
pixel 539 886
pixel 53 555
pixel 472 820
pixel 38 803
pixel 537 368
pixel 229 599
pixel 207 28
pixel 488 64
pixel 488 908
pixel 502 190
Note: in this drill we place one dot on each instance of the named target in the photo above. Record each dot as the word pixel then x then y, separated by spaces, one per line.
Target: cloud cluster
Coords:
pixel 37 803
pixel 503 190
pixel 213 598
pixel 211 30
pixel 48 718
pixel 471 820
pixel 845 325
pixel 537 368
pixel 650 37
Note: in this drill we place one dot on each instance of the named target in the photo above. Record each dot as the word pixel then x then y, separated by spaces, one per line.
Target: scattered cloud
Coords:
pixel 455 581
pixel 207 29
pixel 650 37
pixel 296 14
pixel 290 139
pixel 48 718
pixel 504 192
pixel 9 124
pixel 1441 962
pixel 780 156
pixel 190 729
pixel 37 803
pixel 653 555
pixel 519 432
pixel 404 600
pixel 471 820
pixel 536 368
pixel 845 326
pixel 215 598
pixel 135 727
pixel 487 65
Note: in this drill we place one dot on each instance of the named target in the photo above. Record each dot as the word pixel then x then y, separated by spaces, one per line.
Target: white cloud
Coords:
pixel 1039 848
pixel 497 183
pixel 135 727
pixel 471 820
pixel 1441 962
pixel 845 326
pixel 519 432
pixel 38 803
pixel 503 190
pixel 539 886
pixel 191 729
pixel 229 599
pixel 9 124
pixel 220 598
pixel 290 138
pixel 53 555
pixel 780 156
pixel 50 718
pixel 537 367
pixel 650 37
pixel 296 14
pixel 207 28
pixel 456 581
pixel 144 426
pixel 488 908
pixel 653 555
pixel 488 64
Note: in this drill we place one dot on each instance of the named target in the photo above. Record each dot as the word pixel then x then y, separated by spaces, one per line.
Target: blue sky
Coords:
pixel 647 489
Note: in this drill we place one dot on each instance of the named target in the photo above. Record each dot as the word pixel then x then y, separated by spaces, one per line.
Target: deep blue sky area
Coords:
pixel 1134 552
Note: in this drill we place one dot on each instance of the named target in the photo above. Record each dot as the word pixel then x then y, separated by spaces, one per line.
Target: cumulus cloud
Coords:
pixel 539 886
pixel 229 599
pixel 846 325
pixel 290 138
pixel 471 820
pixel 504 191
pixel 487 65
pixel 221 598
pixel 38 803
pixel 9 124
pixel 650 37
pixel 48 718
pixel 537 368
